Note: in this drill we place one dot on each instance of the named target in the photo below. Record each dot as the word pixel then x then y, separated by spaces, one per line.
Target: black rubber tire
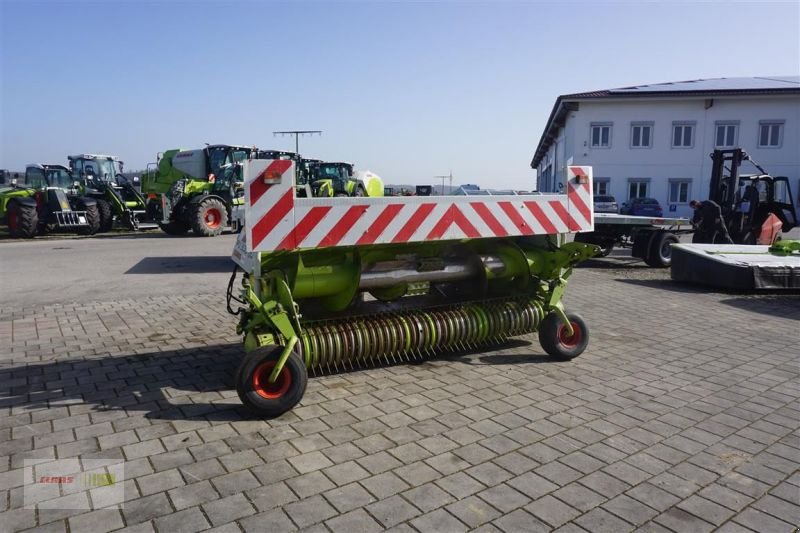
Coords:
pixel 360 191
pixel 92 217
pixel 552 336
pixel 209 218
pixel 106 215
pixel 255 368
pixel 23 220
pixel 659 255
pixel 174 228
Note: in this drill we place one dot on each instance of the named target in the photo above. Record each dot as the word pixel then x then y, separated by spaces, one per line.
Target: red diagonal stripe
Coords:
pixel 453 215
pixel 384 219
pixel 577 201
pixel 511 212
pixel 301 230
pixel 258 187
pixel 413 223
pixel 344 224
pixel 272 218
pixel 564 215
pixel 486 215
pixel 540 217
pixel 578 171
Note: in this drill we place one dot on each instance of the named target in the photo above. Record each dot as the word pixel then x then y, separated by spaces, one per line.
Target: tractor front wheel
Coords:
pixel 556 340
pixel 106 215
pixel 270 399
pixel 92 218
pixel 23 220
pixel 210 218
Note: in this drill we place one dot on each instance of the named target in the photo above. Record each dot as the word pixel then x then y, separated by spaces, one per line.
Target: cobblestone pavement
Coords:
pixel 683 415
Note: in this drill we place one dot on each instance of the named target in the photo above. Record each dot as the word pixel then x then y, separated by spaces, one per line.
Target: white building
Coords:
pixel 655 140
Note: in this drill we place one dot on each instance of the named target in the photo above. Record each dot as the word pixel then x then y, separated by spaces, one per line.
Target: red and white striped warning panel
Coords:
pixel 276 220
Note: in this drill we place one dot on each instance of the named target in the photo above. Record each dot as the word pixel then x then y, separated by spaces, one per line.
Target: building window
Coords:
pixel 602 186
pixel 727 133
pixel 638 188
pixel 641 135
pixel 679 191
pixel 682 135
pixel 770 133
pixel 601 135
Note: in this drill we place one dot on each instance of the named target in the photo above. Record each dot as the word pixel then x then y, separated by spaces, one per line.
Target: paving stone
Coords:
pixel 354 521
pixel 384 485
pixel 439 520
pixel 473 511
pixel 147 508
pixel 345 473
pixel 392 511
pixel 630 510
pixel 349 497
pixel 518 521
pixel 460 485
pixel 428 497
pixel 188 521
pixel 97 521
pixel 193 494
pixel 234 482
pixel 552 511
pixel 310 511
pixel 310 484
pixel 578 496
pixel 227 509
pixel 600 521
pixel 532 485
pixel 159 482
pixel 679 520
pixel 274 521
pixel 504 498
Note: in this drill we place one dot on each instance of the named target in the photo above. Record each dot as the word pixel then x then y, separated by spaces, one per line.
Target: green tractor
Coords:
pixel 195 189
pixel 339 179
pixel 100 177
pixel 48 203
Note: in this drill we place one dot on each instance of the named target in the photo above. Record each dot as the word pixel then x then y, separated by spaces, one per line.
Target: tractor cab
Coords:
pixel 333 179
pixel 46 176
pixel 218 155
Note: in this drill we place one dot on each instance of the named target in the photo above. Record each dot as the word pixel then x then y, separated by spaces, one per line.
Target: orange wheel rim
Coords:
pixel 267 390
pixel 212 217
pixel 567 340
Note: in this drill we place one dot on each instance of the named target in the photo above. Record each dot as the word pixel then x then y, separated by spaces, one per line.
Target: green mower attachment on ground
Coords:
pixel 343 283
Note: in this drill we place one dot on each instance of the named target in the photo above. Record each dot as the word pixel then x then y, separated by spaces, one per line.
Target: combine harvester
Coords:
pixel 443 274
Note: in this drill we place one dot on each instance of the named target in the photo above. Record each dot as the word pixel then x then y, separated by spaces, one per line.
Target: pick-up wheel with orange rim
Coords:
pixel 265 398
pixel 556 340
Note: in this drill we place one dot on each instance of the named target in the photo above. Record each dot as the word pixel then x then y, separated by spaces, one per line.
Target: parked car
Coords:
pixel 642 207
pixel 604 203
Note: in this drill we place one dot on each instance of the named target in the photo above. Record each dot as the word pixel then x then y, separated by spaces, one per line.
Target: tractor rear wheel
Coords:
pixel 556 340
pixel 210 218
pixel 265 398
pixel 106 215
pixel 175 228
pixel 92 218
pixel 23 220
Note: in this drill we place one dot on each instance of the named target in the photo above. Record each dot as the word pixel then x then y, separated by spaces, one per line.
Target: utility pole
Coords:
pixel 297 134
pixel 446 177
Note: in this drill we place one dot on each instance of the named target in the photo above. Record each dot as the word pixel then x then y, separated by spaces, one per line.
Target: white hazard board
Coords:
pixel 247 261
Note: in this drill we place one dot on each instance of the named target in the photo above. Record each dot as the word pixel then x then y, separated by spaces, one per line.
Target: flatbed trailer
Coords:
pixel 649 238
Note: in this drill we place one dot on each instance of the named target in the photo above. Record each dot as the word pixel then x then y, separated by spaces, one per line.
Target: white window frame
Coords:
pixel 684 124
pixel 650 126
pixel 770 123
pixel 726 124
pixel 600 125
pixel 606 182
pixel 639 181
pixel 679 182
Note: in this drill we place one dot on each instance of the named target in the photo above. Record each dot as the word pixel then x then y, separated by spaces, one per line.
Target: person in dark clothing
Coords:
pixel 708 222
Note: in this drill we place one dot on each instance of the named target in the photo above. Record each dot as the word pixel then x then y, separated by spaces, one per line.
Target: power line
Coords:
pixel 297 134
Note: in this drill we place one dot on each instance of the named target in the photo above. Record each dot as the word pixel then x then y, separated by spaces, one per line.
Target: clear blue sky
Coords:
pixel 407 90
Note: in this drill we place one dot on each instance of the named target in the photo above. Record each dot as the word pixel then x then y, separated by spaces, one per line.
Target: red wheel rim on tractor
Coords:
pixel 567 340
pixel 212 217
pixel 265 389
